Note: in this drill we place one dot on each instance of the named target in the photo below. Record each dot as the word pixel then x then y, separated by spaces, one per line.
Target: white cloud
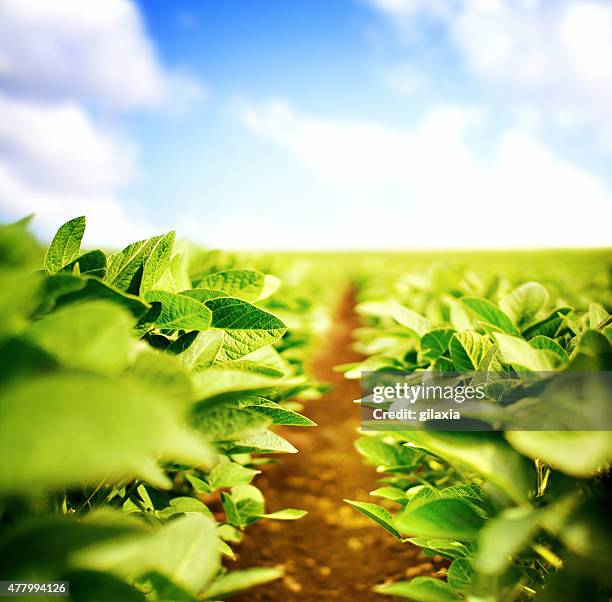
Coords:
pixel 95 50
pixel 441 192
pixel 557 56
pixel 59 147
pixel 68 69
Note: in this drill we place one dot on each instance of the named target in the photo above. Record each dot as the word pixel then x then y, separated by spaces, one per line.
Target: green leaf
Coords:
pixel 285 514
pixel 503 538
pixel 179 312
pixel 181 505
pixel 203 294
pixel 597 315
pixel 236 581
pixel 66 245
pixel 467 350
pixel 390 493
pixel 387 456
pixel 542 342
pixel 249 285
pixel 277 413
pixel 223 423
pixel 549 326
pixel 160 373
pixel 90 288
pixel 266 442
pixel 92 336
pixel 378 514
pixel 229 474
pixel 461 574
pixel 185 551
pixel 217 384
pixel 92 263
pixel 411 319
pixel 520 353
pixel 48 545
pixel 579 453
pixel 124 270
pixel 450 518
pixel 524 302
pixel 196 350
pixel 246 327
pixel 490 313
pixel 486 454
pixel 93 586
pixel 435 342
pixel 157 264
pixel 249 501
pixel 84 433
pixel 420 589
pixel 232 515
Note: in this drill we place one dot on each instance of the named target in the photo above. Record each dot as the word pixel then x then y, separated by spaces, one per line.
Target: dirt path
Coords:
pixel 334 552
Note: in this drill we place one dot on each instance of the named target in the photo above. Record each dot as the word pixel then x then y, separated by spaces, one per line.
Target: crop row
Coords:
pixel 519 514
pixel 137 391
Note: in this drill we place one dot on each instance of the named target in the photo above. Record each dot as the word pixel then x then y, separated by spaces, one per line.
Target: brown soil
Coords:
pixel 334 552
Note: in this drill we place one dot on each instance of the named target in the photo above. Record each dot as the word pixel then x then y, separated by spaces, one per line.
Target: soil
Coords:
pixel 334 552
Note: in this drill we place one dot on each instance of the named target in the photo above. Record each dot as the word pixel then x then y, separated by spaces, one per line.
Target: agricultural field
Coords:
pixel 184 424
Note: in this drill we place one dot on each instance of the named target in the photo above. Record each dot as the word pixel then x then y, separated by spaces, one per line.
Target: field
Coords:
pixel 183 424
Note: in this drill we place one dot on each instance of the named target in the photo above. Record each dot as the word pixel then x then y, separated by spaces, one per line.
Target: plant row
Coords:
pixel 137 393
pixel 519 514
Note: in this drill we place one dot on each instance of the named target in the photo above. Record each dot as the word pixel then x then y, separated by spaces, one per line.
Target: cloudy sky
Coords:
pixel 310 123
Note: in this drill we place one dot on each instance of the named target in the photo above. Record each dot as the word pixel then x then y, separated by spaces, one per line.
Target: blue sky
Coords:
pixel 311 124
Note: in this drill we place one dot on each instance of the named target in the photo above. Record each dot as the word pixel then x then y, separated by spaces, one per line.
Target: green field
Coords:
pixel 143 391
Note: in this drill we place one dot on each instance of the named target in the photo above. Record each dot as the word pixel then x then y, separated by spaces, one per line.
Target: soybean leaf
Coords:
pixel 435 342
pixel 83 414
pixel 542 342
pixel 461 574
pixel 157 264
pixel 450 518
pixel 597 315
pixel 228 474
pixel 490 313
pixel 185 551
pixel 518 352
pixel 411 319
pixel 486 454
pixel 265 442
pixel 579 453
pixel 236 581
pixel 217 384
pixel 467 350
pixel 196 350
pixel 285 514
pixel 66 245
pixel 524 302
pixel 504 537
pixel 93 336
pixel 420 589
pixel 387 457
pixel 179 312
pixel 378 514
pixel 182 505
pixel 124 270
pixel 203 294
pixel 223 423
pixel 92 288
pixel 246 327
pixel 277 413
pixel 549 326
pixel 249 285
pixel 92 263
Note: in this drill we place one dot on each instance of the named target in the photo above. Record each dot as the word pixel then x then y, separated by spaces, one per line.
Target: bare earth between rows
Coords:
pixel 334 552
